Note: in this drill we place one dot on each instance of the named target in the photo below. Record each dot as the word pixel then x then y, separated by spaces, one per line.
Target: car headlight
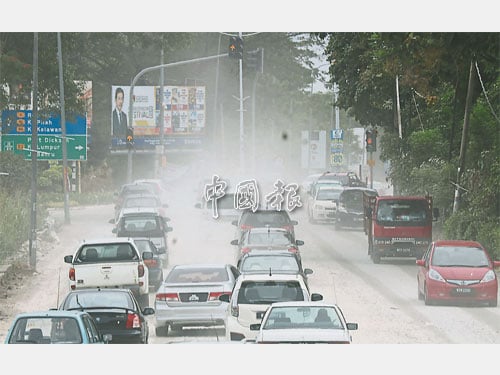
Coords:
pixel 434 275
pixel 489 276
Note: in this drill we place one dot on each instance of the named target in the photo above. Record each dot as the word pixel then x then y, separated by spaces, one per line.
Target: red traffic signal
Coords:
pixel 371 140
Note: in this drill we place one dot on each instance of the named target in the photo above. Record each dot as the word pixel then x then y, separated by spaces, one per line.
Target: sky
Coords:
pixel 257 15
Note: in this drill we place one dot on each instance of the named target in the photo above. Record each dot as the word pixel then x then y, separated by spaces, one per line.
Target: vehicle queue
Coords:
pixel 197 295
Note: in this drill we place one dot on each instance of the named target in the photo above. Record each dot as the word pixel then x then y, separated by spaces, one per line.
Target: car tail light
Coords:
pixel 140 270
pixel 133 321
pixel 289 228
pixel 167 297
pixel 72 274
pixel 151 263
pixel 235 310
pixel 293 250
pixel 244 227
pixel 214 296
pixel 245 250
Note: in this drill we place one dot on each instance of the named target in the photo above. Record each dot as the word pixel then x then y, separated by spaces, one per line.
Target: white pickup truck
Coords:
pixel 110 263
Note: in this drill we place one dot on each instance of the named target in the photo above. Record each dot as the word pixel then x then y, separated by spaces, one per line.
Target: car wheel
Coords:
pixel 162 331
pixel 493 303
pixel 375 257
pixel 427 300
pixel 420 295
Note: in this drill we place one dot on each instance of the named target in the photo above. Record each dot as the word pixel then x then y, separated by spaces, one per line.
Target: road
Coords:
pixel 381 298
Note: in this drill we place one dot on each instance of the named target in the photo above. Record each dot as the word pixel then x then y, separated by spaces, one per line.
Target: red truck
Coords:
pixel 398 226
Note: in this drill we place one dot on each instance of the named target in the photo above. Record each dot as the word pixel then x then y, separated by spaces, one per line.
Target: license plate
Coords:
pixel 402 250
pixel 463 290
pixel 260 314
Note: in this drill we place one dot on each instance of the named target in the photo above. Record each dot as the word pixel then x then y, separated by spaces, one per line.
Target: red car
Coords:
pixel 457 271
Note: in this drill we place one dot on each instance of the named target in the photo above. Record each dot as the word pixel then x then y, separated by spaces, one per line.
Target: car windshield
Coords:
pixel 197 275
pixel 459 256
pixel 269 262
pixel 303 317
pixel 265 292
pixel 98 299
pixel 46 330
pixel 402 211
pixel 328 194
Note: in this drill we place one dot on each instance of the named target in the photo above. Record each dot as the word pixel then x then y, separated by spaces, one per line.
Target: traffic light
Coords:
pixel 236 47
pixel 255 60
pixel 371 140
pixel 130 138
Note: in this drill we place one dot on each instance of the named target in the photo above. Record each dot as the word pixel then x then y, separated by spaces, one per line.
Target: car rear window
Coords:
pixel 106 253
pixel 199 275
pixel 264 263
pixel 98 299
pixel 266 292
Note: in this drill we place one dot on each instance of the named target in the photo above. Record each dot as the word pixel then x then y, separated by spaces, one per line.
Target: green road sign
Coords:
pixel 49 146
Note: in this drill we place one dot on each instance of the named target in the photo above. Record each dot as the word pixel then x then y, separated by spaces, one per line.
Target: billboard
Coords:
pixel 184 114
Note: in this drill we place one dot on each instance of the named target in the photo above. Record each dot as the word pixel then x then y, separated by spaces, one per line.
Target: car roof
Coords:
pixel 267 277
pixel 303 303
pixel 359 188
pixel 200 265
pixel 267 229
pixel 99 290
pixel 52 314
pixel 266 252
pixel 106 240
pixel 465 243
pixel 139 210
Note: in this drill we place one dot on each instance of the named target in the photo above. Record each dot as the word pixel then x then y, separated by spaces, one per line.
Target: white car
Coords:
pixel 252 295
pixel 305 323
pixel 322 205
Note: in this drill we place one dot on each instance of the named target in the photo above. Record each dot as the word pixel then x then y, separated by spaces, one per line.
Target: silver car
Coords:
pixel 189 296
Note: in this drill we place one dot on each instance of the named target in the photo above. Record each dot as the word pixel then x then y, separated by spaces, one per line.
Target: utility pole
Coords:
pixel 34 156
pixel 161 149
pixel 465 131
pixel 63 133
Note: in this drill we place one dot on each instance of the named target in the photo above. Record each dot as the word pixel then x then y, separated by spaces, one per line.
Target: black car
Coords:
pixel 350 210
pixel 116 312
pixel 264 218
pixel 156 264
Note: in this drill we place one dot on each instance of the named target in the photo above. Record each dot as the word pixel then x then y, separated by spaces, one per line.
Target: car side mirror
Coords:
pixel 352 326
pixel 148 311
pixel 294 222
pixel 316 297
pixel 68 259
pixel 111 221
pixel 255 327
pixel 420 262
pixel 234 242
pixel 234 222
pixel 169 229
pixel 308 271
pixel 299 242
pixel 166 219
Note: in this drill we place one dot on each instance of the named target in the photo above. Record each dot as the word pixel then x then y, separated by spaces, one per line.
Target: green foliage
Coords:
pixel 14 222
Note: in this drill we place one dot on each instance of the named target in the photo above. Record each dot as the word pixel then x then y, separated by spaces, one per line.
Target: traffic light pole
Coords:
pixel 131 96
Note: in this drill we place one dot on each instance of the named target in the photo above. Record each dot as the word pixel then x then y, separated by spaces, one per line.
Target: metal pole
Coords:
pixel 34 155
pixel 131 103
pixel 216 92
pixel 63 133
pixel 162 120
pixel 242 129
